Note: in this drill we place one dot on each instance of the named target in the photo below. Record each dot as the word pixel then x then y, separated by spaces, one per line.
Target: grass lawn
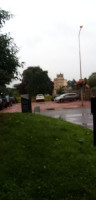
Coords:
pixel 42 158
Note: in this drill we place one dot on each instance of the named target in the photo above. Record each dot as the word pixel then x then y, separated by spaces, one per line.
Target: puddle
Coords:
pixel 50 109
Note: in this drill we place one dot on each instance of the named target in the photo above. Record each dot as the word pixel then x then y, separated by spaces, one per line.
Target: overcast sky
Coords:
pixel 46 31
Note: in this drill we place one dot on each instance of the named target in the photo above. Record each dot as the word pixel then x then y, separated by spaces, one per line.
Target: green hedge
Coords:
pixel 48 97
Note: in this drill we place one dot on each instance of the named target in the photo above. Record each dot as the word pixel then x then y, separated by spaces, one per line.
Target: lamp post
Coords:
pixel 80 65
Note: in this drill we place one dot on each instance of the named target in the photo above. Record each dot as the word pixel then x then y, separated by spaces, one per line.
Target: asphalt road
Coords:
pixel 72 111
pixel 81 116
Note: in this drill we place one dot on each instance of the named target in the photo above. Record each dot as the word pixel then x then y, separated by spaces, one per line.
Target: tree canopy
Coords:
pixel 72 84
pixel 61 90
pixel 92 80
pixel 4 15
pixel 36 81
pixel 8 54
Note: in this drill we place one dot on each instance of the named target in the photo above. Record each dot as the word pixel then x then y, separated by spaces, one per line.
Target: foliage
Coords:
pixel 61 90
pixel 10 92
pixel 35 81
pixel 18 99
pixel 92 80
pixel 72 84
pixel 46 159
pixel 4 15
pixel 86 80
pixel 8 55
pixel 48 97
pixel 21 87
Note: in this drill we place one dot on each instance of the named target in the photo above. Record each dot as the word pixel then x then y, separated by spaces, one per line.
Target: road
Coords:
pixel 71 111
pixel 81 116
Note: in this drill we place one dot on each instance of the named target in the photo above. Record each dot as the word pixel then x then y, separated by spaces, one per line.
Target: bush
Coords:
pixel 33 99
pixel 18 99
pixel 48 97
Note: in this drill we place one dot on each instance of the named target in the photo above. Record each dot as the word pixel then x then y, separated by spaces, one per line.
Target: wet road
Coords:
pixel 72 111
pixel 81 116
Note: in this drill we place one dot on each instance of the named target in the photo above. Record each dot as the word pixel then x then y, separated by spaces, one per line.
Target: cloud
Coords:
pixel 47 33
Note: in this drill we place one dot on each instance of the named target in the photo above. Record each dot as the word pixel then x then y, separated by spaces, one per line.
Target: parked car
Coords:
pixel 67 97
pixel 13 100
pixel 3 103
pixel 40 97
pixel 53 97
pixel 9 102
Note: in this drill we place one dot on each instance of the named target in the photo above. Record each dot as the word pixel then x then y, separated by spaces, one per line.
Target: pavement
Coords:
pixel 80 116
pixel 70 111
pixel 48 105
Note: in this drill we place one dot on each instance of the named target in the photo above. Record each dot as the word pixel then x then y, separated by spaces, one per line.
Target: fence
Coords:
pixel 88 93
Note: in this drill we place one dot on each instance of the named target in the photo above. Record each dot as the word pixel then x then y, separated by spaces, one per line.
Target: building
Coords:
pixel 59 82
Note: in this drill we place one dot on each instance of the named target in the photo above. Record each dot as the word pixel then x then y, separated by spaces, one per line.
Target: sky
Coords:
pixel 47 32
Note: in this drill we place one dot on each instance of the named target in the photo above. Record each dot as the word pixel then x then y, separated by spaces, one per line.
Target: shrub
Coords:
pixel 48 97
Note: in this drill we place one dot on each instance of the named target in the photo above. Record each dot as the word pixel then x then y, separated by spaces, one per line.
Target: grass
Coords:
pixel 42 158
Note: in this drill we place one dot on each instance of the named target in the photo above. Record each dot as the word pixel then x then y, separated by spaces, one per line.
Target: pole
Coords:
pixel 93 111
pixel 80 65
pixel 94 127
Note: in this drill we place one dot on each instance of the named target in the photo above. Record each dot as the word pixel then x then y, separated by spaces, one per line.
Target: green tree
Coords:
pixel 86 80
pixel 4 15
pixel 9 62
pixel 36 81
pixel 61 90
pixel 92 80
pixel 72 84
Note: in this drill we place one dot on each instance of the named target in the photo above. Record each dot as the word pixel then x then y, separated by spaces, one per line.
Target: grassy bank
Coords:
pixel 42 158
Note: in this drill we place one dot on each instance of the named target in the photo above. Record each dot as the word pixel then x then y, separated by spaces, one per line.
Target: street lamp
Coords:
pixel 80 52
pixel 80 65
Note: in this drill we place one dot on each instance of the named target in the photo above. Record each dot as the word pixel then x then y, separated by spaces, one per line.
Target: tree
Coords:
pixel 36 81
pixel 92 80
pixel 61 90
pixel 86 80
pixel 72 84
pixel 9 62
pixel 4 15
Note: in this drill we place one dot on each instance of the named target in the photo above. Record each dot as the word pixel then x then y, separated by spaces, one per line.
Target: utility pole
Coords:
pixel 80 65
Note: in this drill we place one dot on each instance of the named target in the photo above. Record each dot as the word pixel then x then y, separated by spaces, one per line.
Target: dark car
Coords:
pixel 9 102
pixel 3 103
pixel 67 97
pixel 13 100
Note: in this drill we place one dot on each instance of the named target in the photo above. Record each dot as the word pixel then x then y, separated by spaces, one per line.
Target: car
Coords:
pixel 53 97
pixel 3 102
pixel 40 97
pixel 13 100
pixel 67 97
pixel 9 102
